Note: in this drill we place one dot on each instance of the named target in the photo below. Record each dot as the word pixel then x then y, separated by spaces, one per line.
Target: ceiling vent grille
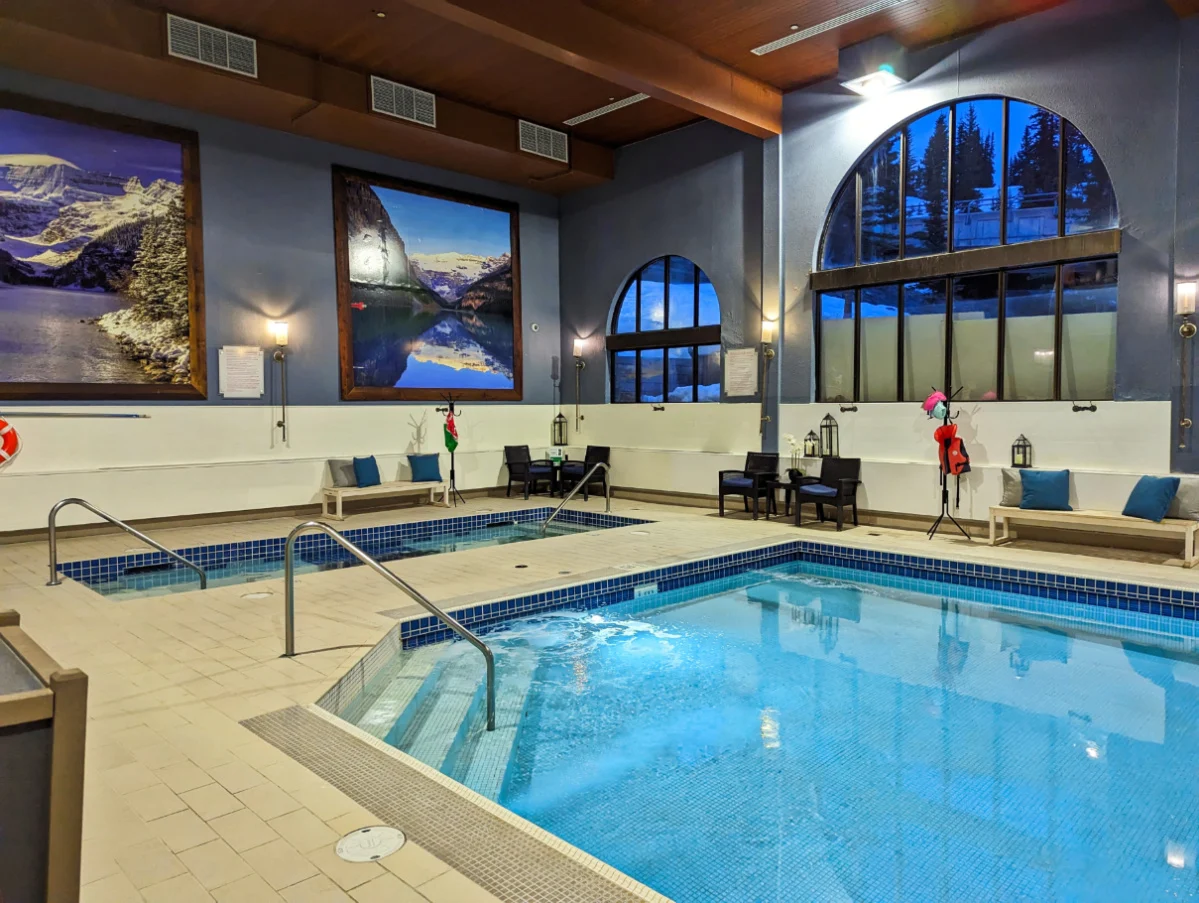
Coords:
pixel 214 47
pixel 795 37
pixel 605 110
pixel 393 99
pixel 537 139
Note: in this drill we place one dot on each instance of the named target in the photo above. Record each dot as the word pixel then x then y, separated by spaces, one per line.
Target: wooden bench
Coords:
pixel 336 494
pixel 1097 522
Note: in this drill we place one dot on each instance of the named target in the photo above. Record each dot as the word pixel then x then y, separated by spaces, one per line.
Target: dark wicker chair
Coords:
pixel 574 471
pixel 760 469
pixel 527 472
pixel 838 486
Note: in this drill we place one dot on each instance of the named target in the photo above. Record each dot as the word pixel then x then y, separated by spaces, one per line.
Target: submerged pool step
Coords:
pixel 428 726
pixel 381 704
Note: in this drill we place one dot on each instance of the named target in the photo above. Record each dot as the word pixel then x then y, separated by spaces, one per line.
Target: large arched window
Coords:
pixel 665 337
pixel 974 247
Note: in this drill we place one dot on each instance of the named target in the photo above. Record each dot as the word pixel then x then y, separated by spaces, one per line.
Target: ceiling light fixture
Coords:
pixel 604 110
pixel 796 36
pixel 875 83
pixel 380 14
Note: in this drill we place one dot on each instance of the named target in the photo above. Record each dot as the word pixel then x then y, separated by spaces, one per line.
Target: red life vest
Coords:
pixel 955 459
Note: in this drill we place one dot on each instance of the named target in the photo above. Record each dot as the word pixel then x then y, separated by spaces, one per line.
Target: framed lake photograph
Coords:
pixel 100 259
pixel 428 292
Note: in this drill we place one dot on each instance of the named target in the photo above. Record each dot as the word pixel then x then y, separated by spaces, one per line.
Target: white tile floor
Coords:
pixel 183 803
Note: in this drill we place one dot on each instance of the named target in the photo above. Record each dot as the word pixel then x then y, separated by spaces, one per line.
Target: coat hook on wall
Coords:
pixel 849 409
pixel 1078 408
pixel 659 407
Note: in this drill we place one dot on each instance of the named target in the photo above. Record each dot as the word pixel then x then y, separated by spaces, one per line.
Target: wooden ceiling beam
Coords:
pixel 642 61
pixel 119 46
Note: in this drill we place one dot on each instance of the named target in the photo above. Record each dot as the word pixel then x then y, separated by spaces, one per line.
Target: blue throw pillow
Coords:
pixel 367 471
pixel 1151 498
pixel 1045 490
pixel 425 468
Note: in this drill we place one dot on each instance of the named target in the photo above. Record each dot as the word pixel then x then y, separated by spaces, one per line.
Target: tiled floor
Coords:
pixel 184 804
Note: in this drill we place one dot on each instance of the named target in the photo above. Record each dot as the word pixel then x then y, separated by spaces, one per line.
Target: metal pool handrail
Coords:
pixel 54 581
pixel 289 597
pixel 579 485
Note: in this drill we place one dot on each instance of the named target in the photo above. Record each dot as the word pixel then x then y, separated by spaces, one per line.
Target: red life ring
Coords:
pixel 10 442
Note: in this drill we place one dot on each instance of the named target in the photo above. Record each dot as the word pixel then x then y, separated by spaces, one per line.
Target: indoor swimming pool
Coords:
pixel 142 574
pixel 810 732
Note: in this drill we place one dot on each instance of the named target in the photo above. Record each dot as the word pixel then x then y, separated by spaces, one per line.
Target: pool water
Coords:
pixel 793 735
pixel 266 563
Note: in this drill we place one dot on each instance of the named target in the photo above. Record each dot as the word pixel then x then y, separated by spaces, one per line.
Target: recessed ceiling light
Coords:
pixel 875 83
pixel 380 14
pixel 796 36
pixel 795 28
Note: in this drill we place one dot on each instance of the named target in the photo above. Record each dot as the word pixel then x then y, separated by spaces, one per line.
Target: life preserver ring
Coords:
pixel 10 442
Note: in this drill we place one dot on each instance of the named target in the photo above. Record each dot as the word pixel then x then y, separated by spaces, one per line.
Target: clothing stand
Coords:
pixel 449 409
pixel 941 458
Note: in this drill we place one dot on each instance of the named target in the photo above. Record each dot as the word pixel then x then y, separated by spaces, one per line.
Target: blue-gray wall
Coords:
pixel 696 192
pixel 268 240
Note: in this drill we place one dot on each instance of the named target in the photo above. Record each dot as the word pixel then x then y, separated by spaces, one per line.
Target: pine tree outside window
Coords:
pixel 973 247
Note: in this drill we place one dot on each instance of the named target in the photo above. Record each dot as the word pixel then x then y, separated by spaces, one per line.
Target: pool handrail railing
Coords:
pixel 579 485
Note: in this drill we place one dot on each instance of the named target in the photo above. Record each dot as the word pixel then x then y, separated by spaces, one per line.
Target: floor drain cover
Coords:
pixel 874 534
pixel 563 572
pixel 641 532
pixel 370 844
pixel 260 594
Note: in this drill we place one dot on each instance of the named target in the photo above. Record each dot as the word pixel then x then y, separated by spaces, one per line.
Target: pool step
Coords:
pixel 390 693
pixel 427 727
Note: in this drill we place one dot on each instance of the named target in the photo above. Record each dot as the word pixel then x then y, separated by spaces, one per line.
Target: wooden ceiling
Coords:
pixel 488 61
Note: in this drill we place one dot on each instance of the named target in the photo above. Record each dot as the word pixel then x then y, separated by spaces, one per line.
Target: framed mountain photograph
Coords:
pixel 428 292
pixel 100 258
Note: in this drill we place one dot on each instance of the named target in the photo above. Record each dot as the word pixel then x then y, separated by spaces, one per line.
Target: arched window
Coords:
pixel 665 337
pixel 974 247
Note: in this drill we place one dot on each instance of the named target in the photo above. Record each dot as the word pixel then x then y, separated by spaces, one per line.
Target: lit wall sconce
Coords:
pixel 1184 307
pixel 278 331
pixel 767 356
pixel 580 347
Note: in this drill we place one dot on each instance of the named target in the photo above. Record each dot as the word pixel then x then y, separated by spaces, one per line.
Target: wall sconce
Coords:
pixel 1184 307
pixel 278 331
pixel 767 357
pixel 580 346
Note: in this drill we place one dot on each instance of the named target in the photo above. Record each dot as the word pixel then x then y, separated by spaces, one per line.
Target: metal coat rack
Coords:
pixel 451 410
pixel 942 458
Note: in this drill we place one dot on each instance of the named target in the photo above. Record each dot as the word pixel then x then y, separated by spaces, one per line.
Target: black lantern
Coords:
pixel 830 447
pixel 558 431
pixel 1021 452
pixel 811 445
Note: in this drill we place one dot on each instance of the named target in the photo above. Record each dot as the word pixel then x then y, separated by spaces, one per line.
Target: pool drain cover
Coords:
pixel 370 844
pixel 259 594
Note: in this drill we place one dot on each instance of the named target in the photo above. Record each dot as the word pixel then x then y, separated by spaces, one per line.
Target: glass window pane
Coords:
pixel 626 314
pixel 680 374
pixel 682 293
pixel 880 202
pixel 976 173
pixel 880 343
pixel 1029 320
pixel 923 338
pixel 839 250
pixel 709 373
pixel 1090 199
pixel 624 366
pixel 1089 330
pixel 926 228
pixel 709 307
pixel 836 346
pixel 1034 139
pixel 653 296
pixel 975 340
pixel 651 375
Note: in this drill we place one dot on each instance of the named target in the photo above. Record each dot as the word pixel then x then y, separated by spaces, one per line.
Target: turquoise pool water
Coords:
pixel 793 735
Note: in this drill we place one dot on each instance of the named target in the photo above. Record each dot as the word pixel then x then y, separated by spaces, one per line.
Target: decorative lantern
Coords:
pixel 558 431
pixel 1021 452
pixel 830 447
pixel 811 445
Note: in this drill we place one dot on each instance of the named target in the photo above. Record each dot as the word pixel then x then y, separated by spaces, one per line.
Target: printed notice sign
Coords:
pixel 241 371
pixel 741 372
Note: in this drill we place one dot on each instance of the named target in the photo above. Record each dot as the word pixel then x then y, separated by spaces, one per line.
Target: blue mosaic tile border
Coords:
pixel 315 545
pixel 1150 600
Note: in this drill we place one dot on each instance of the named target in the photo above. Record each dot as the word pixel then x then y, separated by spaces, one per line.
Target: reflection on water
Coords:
pixel 405 338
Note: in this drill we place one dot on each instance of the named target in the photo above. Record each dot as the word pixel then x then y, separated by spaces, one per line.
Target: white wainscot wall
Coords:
pixel 202 459
pixel 1106 451
pixel 680 449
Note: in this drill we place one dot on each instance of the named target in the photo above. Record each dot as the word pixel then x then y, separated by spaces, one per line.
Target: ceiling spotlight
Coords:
pixel 380 14
pixel 876 83
pixel 795 28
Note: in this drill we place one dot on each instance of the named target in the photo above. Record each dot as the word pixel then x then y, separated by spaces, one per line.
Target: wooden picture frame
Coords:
pixel 196 386
pixel 344 180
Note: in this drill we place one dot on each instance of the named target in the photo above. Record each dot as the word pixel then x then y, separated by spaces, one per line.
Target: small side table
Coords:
pixel 788 487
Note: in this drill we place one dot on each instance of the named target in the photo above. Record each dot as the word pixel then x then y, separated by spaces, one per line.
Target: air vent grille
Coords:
pixel 795 37
pixel 212 46
pixel 605 110
pixel 393 99
pixel 537 139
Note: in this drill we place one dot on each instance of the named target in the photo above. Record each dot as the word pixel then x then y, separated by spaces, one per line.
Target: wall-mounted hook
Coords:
pixel 659 407
pixel 849 409
pixel 1084 407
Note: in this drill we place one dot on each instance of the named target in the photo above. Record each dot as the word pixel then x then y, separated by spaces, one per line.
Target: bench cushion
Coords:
pixel 1150 499
pixel 737 483
pixel 1186 502
pixel 1045 490
pixel 425 468
pixel 341 472
pixel 367 471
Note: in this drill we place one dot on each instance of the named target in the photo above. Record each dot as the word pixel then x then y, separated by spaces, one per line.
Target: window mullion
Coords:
pixel 903 192
pixel 637 326
pixel 1061 175
pixel 665 294
pixel 857 344
pixel 899 387
pixel 1003 171
pixel 857 227
pixel 949 216
pixel 1002 351
pixel 949 336
pixel 1057 334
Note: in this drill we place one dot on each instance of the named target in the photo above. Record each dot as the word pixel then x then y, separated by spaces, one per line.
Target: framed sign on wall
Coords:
pixel 101 273
pixel 428 292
